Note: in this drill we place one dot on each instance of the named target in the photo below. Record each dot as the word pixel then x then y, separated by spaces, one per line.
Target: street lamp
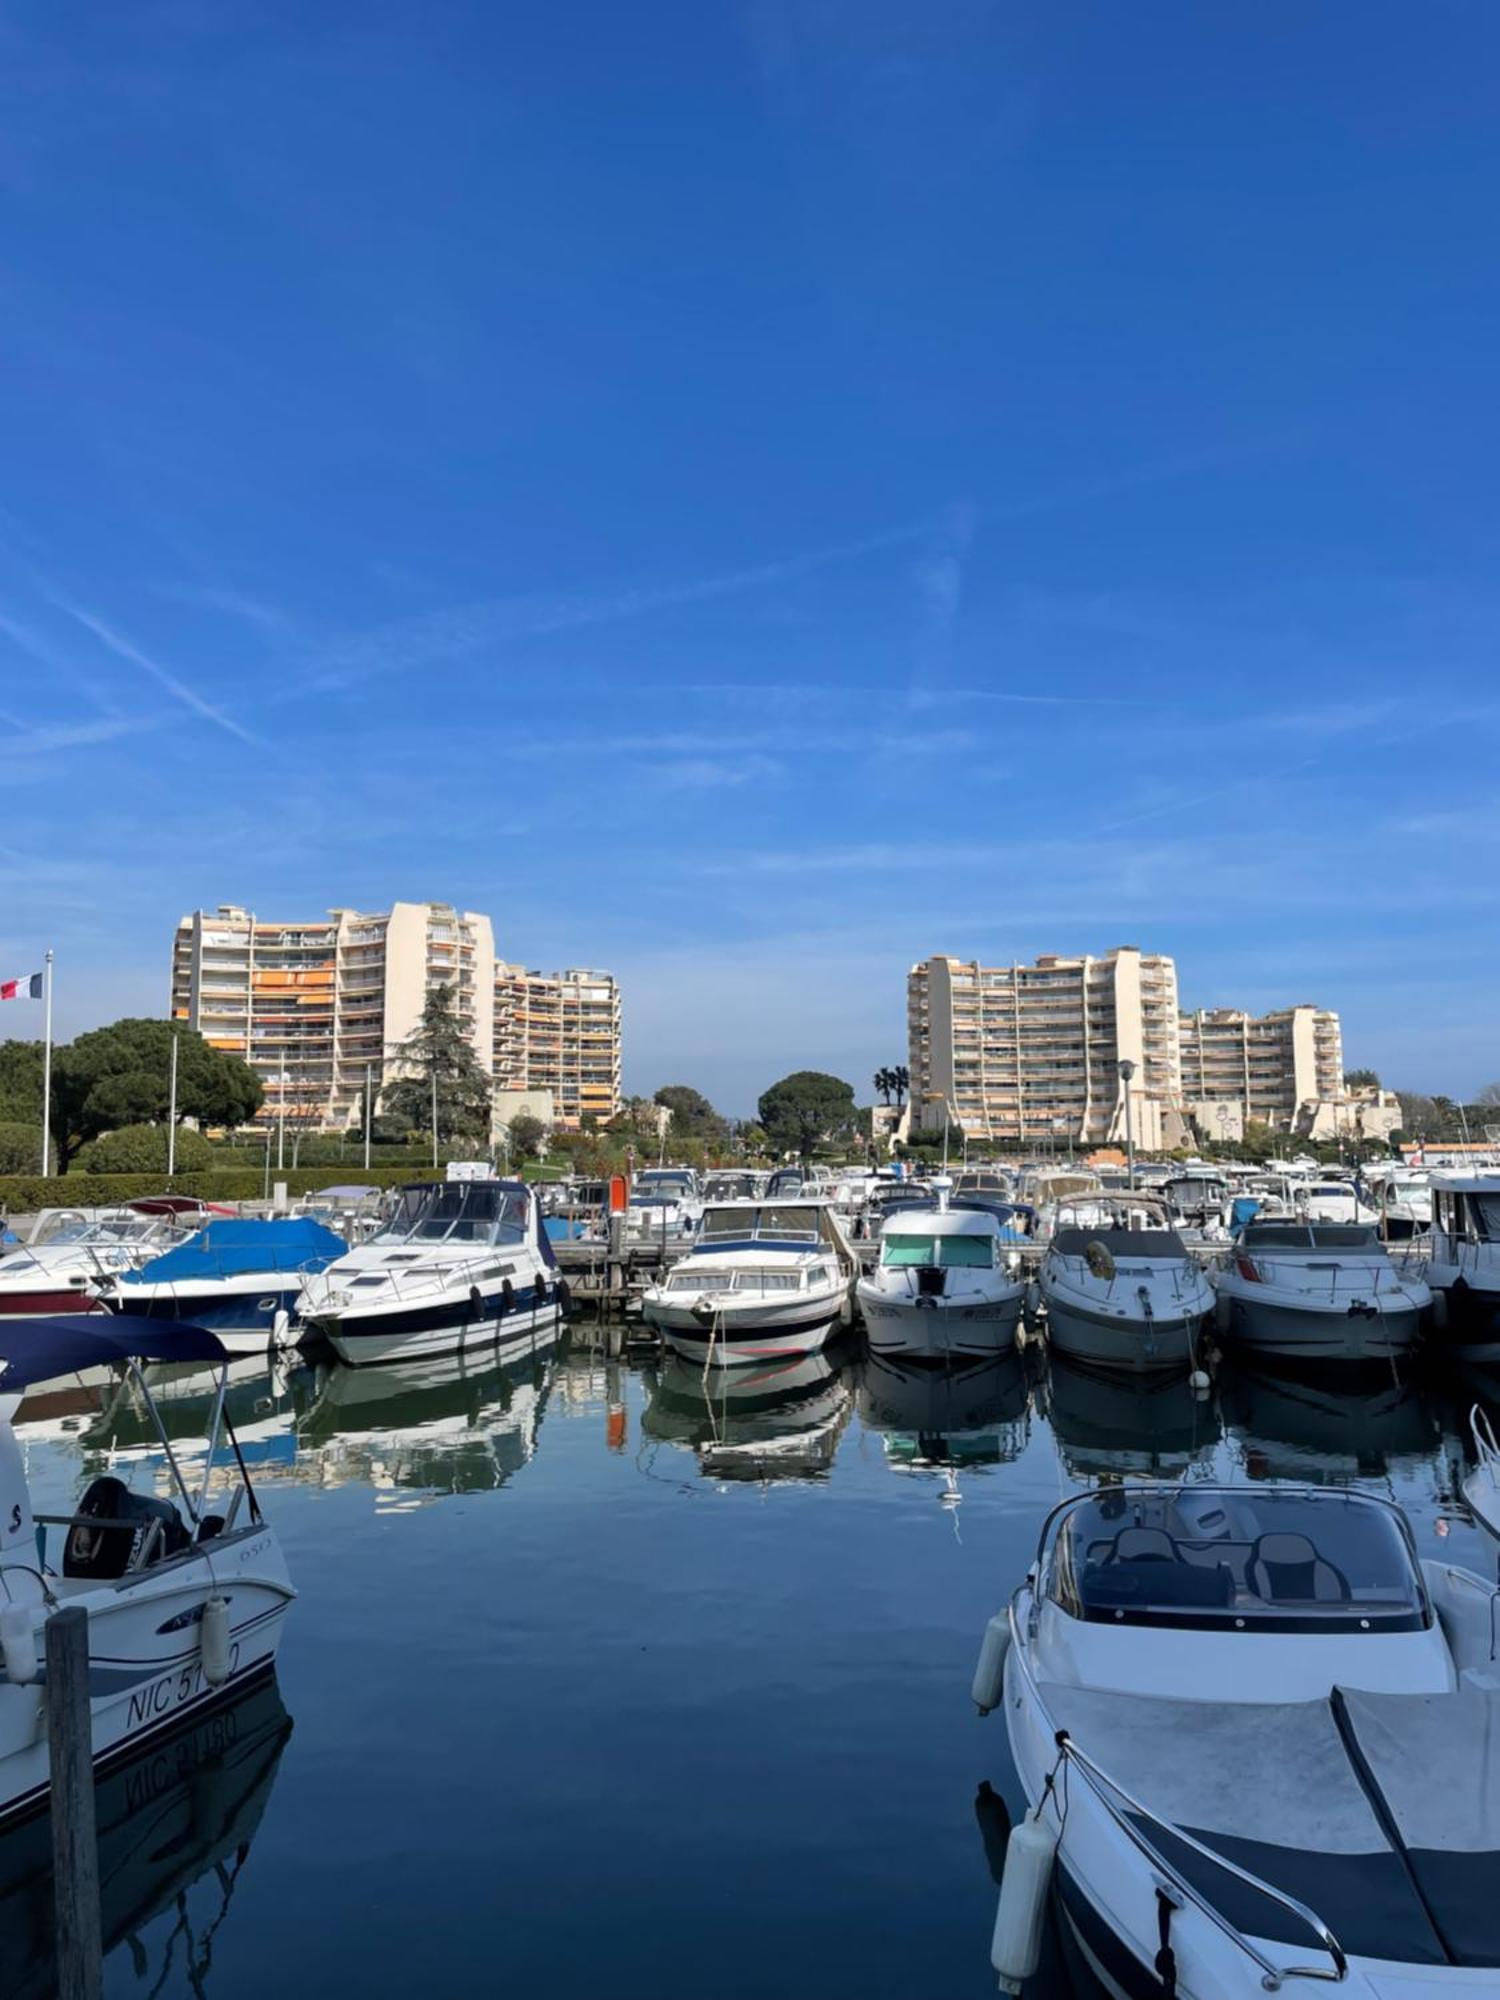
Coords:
pixel 1127 1071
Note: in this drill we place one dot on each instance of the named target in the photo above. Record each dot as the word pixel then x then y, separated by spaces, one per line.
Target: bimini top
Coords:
pixel 225 1249
pixel 36 1350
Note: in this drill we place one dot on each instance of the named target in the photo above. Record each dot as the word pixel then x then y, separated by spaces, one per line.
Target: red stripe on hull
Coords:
pixel 67 1301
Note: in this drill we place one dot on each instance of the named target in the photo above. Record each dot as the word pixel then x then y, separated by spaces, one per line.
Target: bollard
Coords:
pixel 75 1847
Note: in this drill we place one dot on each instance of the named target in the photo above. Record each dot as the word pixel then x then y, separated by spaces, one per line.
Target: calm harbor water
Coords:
pixel 605 1678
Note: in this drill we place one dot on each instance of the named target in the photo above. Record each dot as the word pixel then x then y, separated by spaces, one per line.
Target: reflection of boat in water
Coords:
pixel 256 1406
pixel 449 1425
pixel 971 1414
pixel 779 1420
pixel 1297 1427
pixel 181 1814
pixel 1111 1423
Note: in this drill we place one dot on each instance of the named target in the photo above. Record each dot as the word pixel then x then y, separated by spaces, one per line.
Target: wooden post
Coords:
pixel 75 1846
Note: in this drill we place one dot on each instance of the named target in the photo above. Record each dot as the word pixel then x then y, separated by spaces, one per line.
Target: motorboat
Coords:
pixel 1317 1291
pixel 70 1251
pixel 1125 1292
pixel 460 1265
pixel 1481 1490
pixel 779 1420
pixel 944 1286
pixel 185 1594
pixel 1334 1201
pixel 241 1278
pixel 1260 1744
pixel 664 1209
pixel 1402 1197
pixel 1463 1263
pixel 1144 1424
pixel 763 1279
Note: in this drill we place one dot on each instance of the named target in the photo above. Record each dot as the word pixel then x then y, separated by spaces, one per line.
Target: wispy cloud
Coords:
pixel 716 773
pixel 124 649
pixel 456 633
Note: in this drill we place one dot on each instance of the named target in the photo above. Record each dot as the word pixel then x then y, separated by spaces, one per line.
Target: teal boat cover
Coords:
pixel 225 1249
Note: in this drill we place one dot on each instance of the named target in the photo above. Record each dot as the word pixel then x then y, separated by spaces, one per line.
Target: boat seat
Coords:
pixel 1144 1567
pixel 1143 1545
pixel 1287 1567
pixel 112 1528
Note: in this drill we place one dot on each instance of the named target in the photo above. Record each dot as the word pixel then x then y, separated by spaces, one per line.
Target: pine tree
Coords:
pixel 439 1047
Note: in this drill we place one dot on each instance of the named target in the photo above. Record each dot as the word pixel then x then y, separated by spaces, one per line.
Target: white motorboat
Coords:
pixel 1334 1201
pixel 1402 1197
pixel 70 1251
pixel 764 1279
pixel 1124 1294
pixel 1260 1743
pixel 1481 1490
pixel 665 1208
pixel 943 1287
pixel 1317 1291
pixel 460 1266
pixel 185 1595
pixel 1463 1263
pixel 241 1278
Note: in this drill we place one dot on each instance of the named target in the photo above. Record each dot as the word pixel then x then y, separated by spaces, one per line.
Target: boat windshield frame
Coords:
pixel 760 1224
pixel 489 1213
pixel 1223 1599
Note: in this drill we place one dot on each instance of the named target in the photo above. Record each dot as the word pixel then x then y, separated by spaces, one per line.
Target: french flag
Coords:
pixel 27 988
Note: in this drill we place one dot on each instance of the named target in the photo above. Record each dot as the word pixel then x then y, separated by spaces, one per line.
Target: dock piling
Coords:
pixel 75 1845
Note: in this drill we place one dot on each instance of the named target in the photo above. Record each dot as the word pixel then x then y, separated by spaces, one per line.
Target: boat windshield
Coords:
pixel 1282 1561
pixel 974 1251
pixel 128 1229
pixel 731 1187
pixel 458 1212
pixel 779 1221
pixel 1310 1236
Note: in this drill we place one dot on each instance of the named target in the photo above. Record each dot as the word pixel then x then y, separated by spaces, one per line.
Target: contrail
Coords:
pixel 116 643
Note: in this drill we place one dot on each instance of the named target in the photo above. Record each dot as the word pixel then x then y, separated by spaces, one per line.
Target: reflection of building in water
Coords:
pixel 971 1415
pixel 1136 1426
pixel 1291 1427
pixel 174 1828
pixel 777 1420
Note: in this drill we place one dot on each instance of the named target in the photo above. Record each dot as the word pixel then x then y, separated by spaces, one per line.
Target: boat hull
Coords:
pixel 737 1340
pixel 144 1679
pixel 1295 1331
pixel 39 1300
pixel 245 1320
pixel 935 1330
pixel 1469 1318
pixel 1126 1341
pixel 424 1333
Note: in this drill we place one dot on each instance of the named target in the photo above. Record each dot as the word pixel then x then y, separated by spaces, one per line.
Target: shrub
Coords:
pixel 142 1149
pixel 21 1149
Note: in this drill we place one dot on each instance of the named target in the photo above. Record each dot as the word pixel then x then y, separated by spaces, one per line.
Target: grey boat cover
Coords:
pixel 1154 1245
pixel 1381 1813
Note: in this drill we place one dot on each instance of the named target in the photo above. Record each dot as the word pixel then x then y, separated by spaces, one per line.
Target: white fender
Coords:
pixel 213 1641
pixel 989 1675
pixel 18 1642
pixel 281 1323
pixel 1016 1946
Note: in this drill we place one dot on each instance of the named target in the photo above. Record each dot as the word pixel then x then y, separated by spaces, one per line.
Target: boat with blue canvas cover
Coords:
pixel 182 1577
pixel 240 1277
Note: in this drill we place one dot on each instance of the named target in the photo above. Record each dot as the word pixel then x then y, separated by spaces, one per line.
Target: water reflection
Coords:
pixel 1322 1429
pixel 968 1415
pixel 416 1430
pixel 175 1826
pixel 1138 1426
pixel 776 1421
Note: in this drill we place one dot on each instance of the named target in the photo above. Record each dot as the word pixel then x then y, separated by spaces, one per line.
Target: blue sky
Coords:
pixel 753 494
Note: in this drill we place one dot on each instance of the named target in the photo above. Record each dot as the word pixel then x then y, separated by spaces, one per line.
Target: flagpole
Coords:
pixel 47 1066
pixel 172 1113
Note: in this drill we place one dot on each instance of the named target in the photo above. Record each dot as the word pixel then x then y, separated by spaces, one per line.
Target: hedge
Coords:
pixel 24 1194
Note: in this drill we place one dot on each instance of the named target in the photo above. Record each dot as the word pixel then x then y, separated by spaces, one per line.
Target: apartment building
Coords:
pixel 1029 1055
pixel 316 1007
pixel 1271 1065
pixel 559 1032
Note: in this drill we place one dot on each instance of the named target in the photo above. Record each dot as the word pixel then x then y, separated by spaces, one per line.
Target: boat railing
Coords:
pixel 1485 1446
pixel 1377 1274
pixel 1127 1812
pixel 431 1278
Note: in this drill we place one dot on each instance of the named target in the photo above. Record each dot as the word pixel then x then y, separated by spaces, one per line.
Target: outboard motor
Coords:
pixel 126 1521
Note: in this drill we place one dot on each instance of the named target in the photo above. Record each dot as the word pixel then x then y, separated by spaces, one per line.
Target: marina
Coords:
pixel 712 1620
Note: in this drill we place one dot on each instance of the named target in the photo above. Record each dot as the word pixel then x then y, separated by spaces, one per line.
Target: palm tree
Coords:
pixel 885 1083
pixel 900 1083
